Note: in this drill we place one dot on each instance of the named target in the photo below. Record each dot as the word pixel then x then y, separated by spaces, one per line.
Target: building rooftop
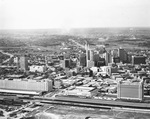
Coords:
pixel 20 91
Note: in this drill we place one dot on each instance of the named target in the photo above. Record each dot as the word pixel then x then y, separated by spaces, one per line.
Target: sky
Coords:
pixel 66 14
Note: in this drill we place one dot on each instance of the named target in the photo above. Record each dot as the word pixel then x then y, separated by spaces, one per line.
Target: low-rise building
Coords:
pixel 37 68
pixel 82 91
pixel 109 70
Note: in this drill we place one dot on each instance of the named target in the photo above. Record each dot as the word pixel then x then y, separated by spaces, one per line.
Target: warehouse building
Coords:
pixel 82 91
pixel 25 86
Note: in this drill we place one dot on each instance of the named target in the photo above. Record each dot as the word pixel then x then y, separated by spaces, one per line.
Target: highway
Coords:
pixel 78 44
pixel 6 53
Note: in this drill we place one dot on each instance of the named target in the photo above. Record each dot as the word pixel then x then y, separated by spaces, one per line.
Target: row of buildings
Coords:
pixel 88 58
pixel 115 65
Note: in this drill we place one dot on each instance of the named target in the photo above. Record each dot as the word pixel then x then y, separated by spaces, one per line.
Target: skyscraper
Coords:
pixel 82 59
pixel 91 55
pixel 87 53
pixel 96 59
pixel 23 63
pixel 107 57
pixel 122 55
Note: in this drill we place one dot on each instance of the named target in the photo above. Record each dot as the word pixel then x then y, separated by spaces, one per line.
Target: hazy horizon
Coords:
pixel 68 14
pixel 148 27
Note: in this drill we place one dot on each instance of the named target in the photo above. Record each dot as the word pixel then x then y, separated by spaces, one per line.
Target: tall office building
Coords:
pixel 108 58
pixel 90 63
pixel 96 58
pixel 122 54
pixel 23 63
pixel 138 60
pixel 129 58
pixel 114 53
pixel 73 62
pixel 87 54
pixel 83 60
pixel 116 60
pixel 101 62
pixel 65 63
pixel 62 62
pixel 91 53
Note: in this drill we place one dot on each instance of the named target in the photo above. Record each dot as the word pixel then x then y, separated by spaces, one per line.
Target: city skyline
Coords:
pixel 67 14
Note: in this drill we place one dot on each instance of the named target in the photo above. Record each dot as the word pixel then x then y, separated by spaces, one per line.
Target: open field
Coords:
pixel 110 37
pixel 65 112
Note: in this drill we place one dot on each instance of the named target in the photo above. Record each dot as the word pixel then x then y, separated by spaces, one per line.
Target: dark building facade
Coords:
pixel 138 60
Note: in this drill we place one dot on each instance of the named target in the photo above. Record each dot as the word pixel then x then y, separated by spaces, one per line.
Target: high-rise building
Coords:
pixel 114 53
pixel 65 63
pixel 138 60
pixel 90 63
pixel 108 58
pixel 130 90
pixel 73 62
pixel 129 58
pixel 87 52
pixel 82 60
pixel 23 63
pixel 116 59
pixel 91 55
pixel 96 58
pixel 101 62
pixel 122 54
pixel 62 62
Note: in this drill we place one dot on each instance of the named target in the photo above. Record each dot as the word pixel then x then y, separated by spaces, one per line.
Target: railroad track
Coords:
pixel 92 103
pixel 76 104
